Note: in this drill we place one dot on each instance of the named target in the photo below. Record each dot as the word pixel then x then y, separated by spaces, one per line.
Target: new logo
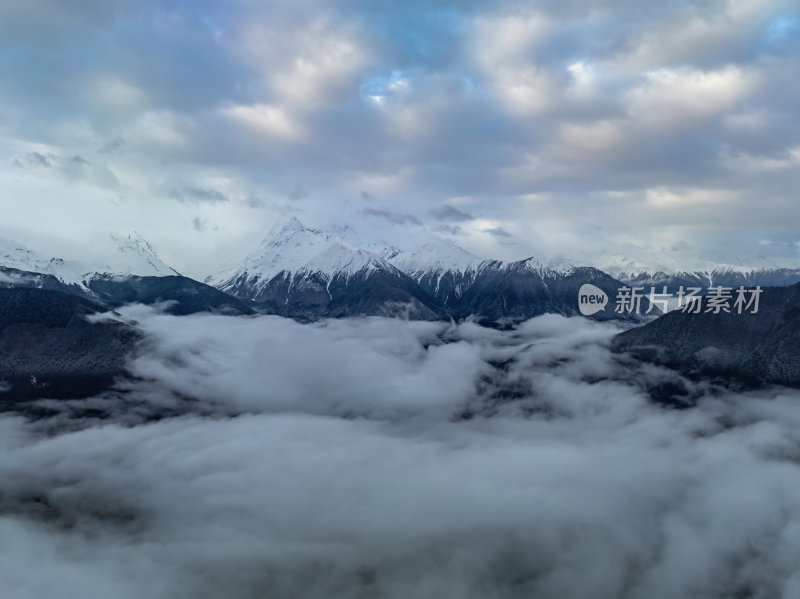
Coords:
pixel 591 299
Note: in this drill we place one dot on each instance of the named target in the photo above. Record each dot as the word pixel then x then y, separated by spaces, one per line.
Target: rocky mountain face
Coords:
pixel 497 291
pixel 48 348
pixel 441 268
pixel 180 295
pixel 523 289
pixel 760 347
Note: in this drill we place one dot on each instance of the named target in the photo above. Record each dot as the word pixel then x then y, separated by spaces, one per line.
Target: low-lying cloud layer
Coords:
pixel 382 458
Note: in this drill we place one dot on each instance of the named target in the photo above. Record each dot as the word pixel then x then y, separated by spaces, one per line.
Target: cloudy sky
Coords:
pixel 512 128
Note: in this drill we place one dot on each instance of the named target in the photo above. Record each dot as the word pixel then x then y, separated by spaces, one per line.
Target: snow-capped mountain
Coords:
pixel 519 290
pixel 134 256
pixel 673 272
pixel 441 256
pixel 447 270
pixel 378 247
pixel 307 272
pixel 440 267
pixel 133 273
pixel 296 249
pixel 437 256
pixel 137 257
pixel 494 290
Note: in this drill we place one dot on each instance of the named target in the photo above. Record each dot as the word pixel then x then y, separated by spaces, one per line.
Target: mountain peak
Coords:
pixel 292 247
pixel 349 235
pixel 16 255
pixel 292 224
pixel 132 242
pixel 437 255
pixel 137 257
pixel 134 256
pixel 557 267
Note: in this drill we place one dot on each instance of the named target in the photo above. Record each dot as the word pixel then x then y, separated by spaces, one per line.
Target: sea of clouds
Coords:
pixel 379 458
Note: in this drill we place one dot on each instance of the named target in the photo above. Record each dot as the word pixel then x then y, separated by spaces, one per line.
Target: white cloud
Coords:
pixel 110 92
pixel 264 120
pixel 304 62
pixel 678 97
pixel 347 475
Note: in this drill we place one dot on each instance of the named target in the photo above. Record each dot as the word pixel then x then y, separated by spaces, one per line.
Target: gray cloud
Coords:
pixel 112 146
pixel 34 160
pixel 498 232
pixel 253 201
pixel 298 193
pixel 73 169
pixel 198 195
pixel 396 218
pixel 449 229
pixel 451 214
pixel 680 246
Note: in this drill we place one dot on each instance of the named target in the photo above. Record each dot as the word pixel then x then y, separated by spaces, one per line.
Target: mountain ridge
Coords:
pixel 303 271
pixel 309 273
pixel 135 274
pixel 761 346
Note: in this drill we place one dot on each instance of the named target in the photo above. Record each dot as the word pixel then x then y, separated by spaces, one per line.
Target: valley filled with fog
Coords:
pixel 374 457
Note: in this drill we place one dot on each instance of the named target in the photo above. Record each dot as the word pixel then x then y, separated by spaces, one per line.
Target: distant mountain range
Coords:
pixel 134 273
pixel 308 273
pixel 672 272
pixel 133 256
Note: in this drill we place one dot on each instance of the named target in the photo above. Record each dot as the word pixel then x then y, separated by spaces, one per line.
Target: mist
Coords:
pixel 259 457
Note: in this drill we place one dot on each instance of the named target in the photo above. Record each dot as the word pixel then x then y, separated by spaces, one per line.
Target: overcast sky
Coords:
pixel 510 127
